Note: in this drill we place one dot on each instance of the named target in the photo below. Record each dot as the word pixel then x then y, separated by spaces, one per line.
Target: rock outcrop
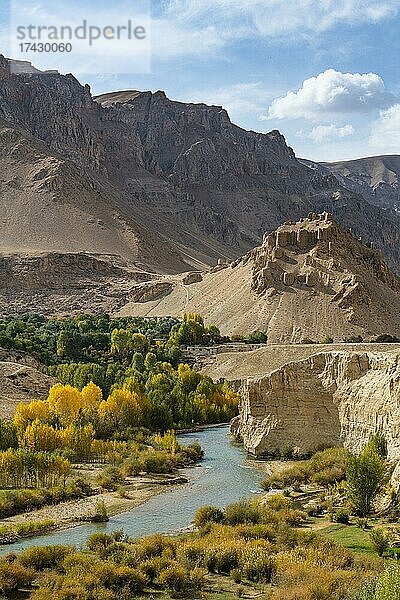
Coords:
pixel 21 380
pixel 328 399
pixel 308 280
pixel 67 283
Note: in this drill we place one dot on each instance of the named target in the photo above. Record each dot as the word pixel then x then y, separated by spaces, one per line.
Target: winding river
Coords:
pixel 225 475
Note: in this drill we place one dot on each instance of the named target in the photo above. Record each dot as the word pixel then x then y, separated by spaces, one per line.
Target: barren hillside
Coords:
pixel 307 280
pixel 21 380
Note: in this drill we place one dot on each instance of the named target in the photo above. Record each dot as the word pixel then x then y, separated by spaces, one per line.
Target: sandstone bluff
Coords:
pixel 328 399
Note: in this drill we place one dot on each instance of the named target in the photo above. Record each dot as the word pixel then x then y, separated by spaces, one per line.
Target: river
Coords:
pixel 225 475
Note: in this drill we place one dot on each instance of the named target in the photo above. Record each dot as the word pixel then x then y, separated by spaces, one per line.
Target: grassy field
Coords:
pixel 350 536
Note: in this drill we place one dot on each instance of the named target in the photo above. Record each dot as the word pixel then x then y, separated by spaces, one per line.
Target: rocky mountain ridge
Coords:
pixel 376 178
pixel 182 186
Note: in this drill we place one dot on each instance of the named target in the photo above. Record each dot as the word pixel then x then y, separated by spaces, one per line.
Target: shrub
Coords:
pixel 342 516
pixel 236 575
pixel 208 514
pixel 44 557
pixel 191 554
pixel 385 587
pixel 379 443
pixel 278 502
pixel 98 541
pixel 174 578
pixel 292 517
pixel 109 478
pixel 190 454
pixel 222 559
pixel 380 540
pixel 121 491
pixel 153 566
pixel 14 575
pixel 386 338
pixel 155 545
pixel 325 467
pixel 197 578
pixel 129 579
pixel 286 452
pixel 257 565
pixel 362 523
pixel 244 511
pixel 101 512
pixel 259 531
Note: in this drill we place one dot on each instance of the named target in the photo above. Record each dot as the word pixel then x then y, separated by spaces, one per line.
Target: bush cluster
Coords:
pixel 13 502
pixel 249 541
pixel 325 467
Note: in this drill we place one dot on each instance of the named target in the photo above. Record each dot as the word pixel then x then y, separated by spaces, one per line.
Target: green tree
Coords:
pixel 365 475
pixel 69 344
pixel 380 540
pixel 378 441
pixel 258 337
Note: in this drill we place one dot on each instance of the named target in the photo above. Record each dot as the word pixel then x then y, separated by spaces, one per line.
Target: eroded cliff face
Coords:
pixel 308 279
pixel 181 171
pixel 328 399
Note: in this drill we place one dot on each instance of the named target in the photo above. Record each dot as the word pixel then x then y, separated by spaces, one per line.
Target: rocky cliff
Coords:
pixel 67 283
pixel 308 279
pixel 172 185
pixel 376 178
pixel 328 399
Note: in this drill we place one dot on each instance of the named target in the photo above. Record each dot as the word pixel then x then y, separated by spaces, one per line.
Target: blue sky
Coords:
pixel 324 72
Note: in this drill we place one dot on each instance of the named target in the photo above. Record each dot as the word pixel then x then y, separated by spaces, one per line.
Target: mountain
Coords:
pixel 147 183
pixel 376 178
pixel 308 279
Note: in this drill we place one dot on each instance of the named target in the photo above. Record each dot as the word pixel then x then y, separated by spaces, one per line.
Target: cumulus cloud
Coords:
pixel 385 134
pixel 327 133
pixel 333 92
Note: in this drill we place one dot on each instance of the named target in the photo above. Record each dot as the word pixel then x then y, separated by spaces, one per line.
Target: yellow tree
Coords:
pixel 66 402
pixel 92 396
pixel 40 436
pixel 78 439
pixel 26 413
pixel 122 409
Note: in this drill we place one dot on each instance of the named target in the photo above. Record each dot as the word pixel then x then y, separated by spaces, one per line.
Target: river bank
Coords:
pixel 224 476
pixel 72 513
pixel 196 428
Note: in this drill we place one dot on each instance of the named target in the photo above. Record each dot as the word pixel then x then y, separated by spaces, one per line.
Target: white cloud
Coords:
pixel 235 18
pixel 201 27
pixel 170 39
pixel 333 92
pixel 240 99
pixel 327 133
pixel 385 134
